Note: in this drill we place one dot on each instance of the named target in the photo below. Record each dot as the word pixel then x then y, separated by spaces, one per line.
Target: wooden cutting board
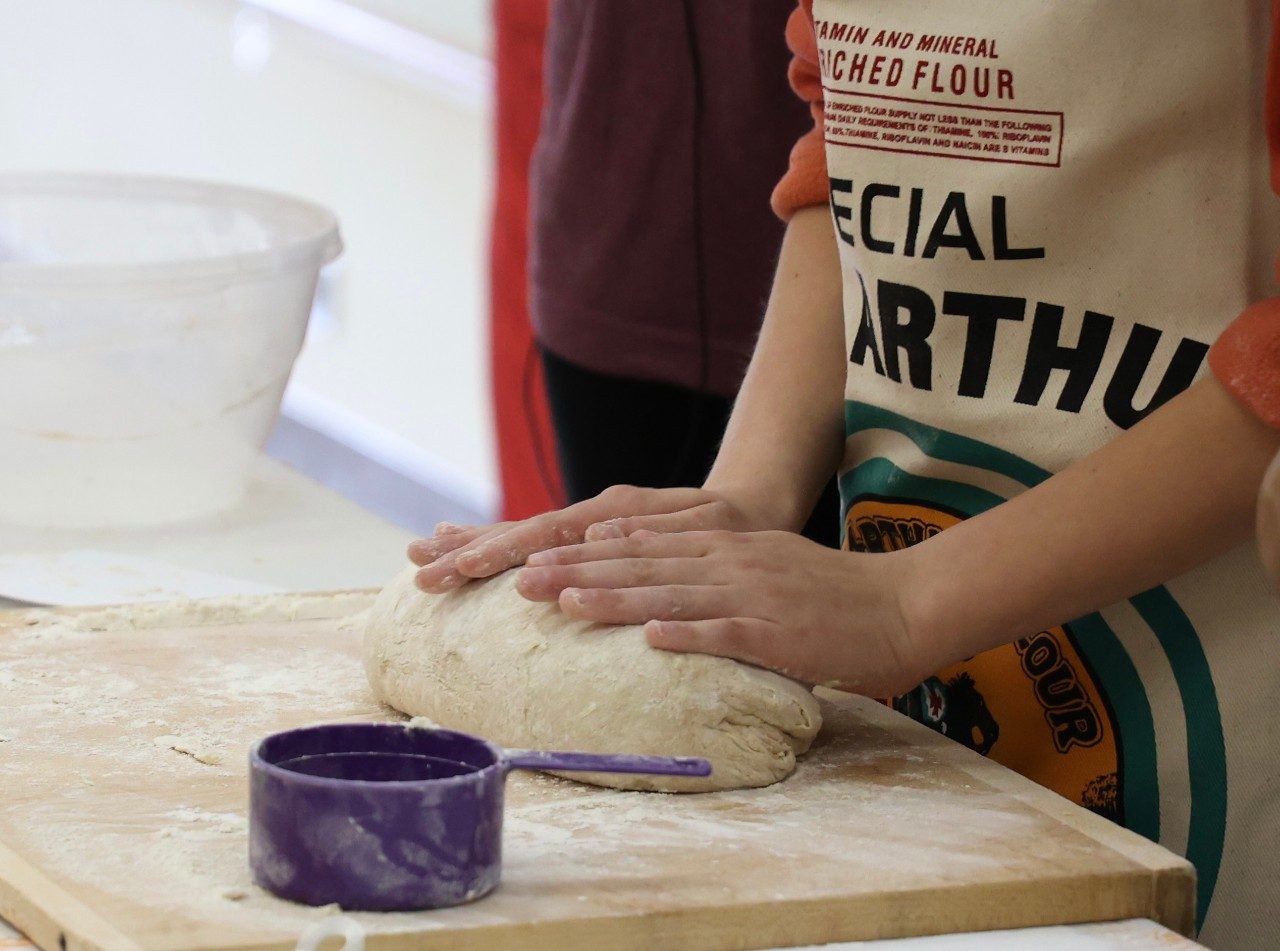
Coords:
pixel 123 741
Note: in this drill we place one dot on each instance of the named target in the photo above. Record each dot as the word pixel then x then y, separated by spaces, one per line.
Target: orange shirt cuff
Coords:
pixel 805 182
pixel 1246 360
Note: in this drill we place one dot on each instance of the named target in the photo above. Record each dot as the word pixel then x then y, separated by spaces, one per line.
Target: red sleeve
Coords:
pixel 526 448
pixel 805 182
pixel 1246 358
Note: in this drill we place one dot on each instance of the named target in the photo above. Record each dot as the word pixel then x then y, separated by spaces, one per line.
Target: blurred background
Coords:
pixel 377 109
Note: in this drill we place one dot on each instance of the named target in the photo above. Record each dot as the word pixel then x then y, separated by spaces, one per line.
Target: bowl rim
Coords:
pixel 319 243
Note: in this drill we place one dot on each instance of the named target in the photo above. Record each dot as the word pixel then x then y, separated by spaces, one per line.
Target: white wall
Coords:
pixel 221 89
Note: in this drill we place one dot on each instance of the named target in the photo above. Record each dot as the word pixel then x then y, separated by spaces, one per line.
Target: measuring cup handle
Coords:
pixel 608 763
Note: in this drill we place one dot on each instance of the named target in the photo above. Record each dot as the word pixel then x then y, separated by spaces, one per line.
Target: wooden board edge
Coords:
pixel 781 924
pixel 56 921
pixel 792 923
pixel 1174 901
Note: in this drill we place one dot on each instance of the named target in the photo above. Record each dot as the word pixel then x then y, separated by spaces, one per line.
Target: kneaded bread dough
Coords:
pixel 485 660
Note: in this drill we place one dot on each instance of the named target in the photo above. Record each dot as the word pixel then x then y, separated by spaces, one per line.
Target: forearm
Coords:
pixel 783 440
pixel 1174 491
pixel 1269 521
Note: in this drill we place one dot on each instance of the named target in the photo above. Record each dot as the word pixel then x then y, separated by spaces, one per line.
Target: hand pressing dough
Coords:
pixel 484 660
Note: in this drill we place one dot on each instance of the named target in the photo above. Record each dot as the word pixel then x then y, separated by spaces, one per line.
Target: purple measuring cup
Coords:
pixel 387 817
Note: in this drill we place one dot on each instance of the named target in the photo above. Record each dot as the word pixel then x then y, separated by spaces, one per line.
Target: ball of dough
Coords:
pixel 485 660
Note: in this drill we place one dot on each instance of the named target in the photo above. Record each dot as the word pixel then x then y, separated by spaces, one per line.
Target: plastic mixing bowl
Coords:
pixel 147 330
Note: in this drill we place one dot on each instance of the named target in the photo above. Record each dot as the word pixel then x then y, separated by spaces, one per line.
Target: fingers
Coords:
pixel 490 555
pixel 463 556
pixel 641 545
pixel 748 639
pixel 617 505
pixel 546 583
pixel 448 528
pixel 448 537
pixel 638 605
pixel 451 558
pixel 437 556
pixel 699 518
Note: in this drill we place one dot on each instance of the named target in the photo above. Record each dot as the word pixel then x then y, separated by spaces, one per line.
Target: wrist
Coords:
pixel 765 508
pixel 932 602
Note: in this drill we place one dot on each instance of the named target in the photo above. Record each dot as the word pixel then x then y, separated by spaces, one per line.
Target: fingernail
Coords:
pixel 447 528
pixel 539 558
pixel 472 559
pixel 576 595
pixel 531 577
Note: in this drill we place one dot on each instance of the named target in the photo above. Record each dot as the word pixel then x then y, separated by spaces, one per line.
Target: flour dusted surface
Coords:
pixel 152 841
pixel 487 661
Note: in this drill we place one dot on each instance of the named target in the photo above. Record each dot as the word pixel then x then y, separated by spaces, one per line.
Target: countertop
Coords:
pixel 288 533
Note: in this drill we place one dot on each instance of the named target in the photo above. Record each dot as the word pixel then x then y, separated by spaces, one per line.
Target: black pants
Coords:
pixel 612 430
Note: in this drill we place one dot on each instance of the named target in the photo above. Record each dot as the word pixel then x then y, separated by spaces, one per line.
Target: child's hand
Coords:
pixel 773 599
pixel 456 554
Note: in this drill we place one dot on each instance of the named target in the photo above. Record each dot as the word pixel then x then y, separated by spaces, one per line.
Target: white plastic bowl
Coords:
pixel 147 330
